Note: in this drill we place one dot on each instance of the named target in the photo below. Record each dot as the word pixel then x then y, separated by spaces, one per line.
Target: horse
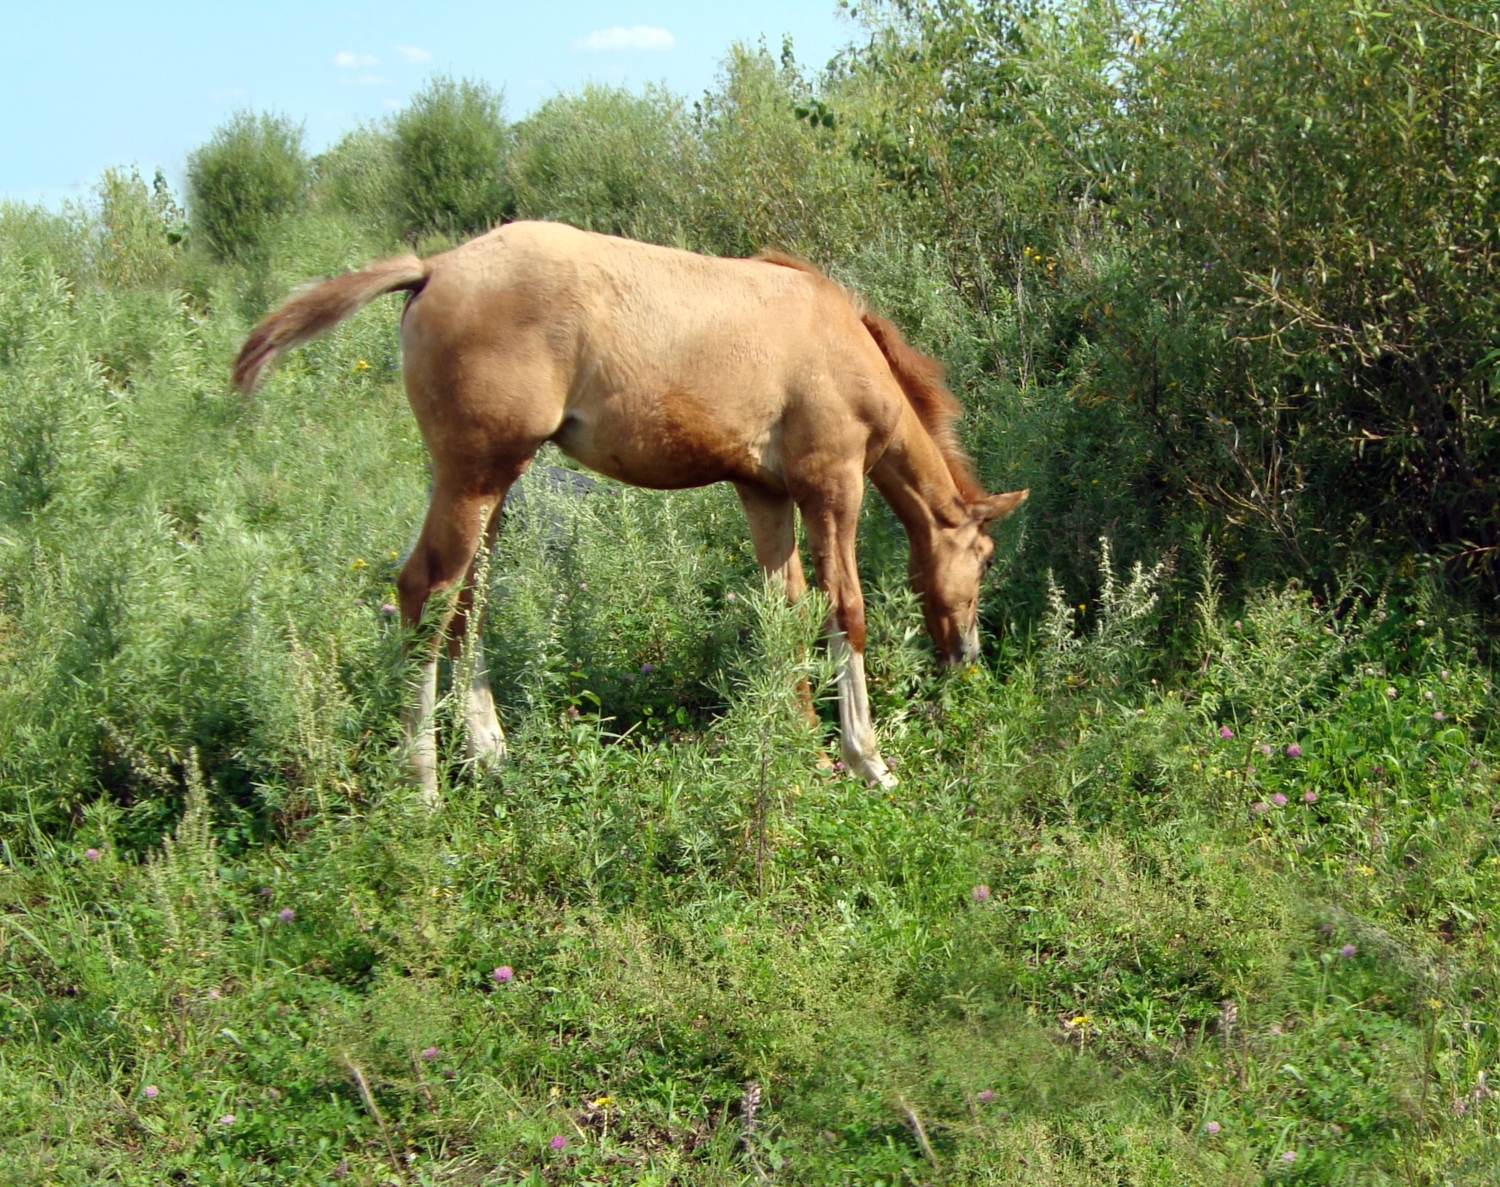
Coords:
pixel 665 369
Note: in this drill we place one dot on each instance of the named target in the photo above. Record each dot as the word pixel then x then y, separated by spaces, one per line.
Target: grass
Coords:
pixel 1213 913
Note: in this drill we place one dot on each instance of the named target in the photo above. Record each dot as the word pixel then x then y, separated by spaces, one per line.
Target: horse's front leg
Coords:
pixel 832 522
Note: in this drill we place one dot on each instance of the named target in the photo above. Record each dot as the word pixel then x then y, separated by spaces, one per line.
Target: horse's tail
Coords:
pixel 320 307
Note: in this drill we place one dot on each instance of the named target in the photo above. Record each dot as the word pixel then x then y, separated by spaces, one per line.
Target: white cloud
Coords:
pixel 414 54
pixel 617 37
pixel 349 60
pixel 368 80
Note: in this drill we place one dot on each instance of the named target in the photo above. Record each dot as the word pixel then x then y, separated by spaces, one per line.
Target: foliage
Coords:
pixel 605 159
pixel 1254 243
pixel 250 175
pixel 774 180
pixel 140 229
pixel 448 148
pixel 356 176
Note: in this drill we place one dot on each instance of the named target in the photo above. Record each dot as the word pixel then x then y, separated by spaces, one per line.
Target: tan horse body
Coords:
pixel 666 369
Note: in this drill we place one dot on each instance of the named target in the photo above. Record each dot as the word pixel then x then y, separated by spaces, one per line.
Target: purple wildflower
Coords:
pixel 1348 951
pixel 341 1170
pixel 838 766
pixel 1443 674
pixel 151 1091
pixel 430 1053
pixel 1212 1129
pixel 980 893
pixel 388 608
pixel 265 892
pixel 583 585
pixel 286 914
pixel 558 1141
pixel 1225 732
pixel 1260 806
pixel 1289 1156
pixel 227 1119
pixel 91 854
pixel 1309 796
pixel 1438 715
pixel 1294 751
pixel 503 974
pixel 1266 749
pixel 1279 800
pixel 647 669
pixel 986 1095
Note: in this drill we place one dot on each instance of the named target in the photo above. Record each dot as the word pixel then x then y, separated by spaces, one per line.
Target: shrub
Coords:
pixel 448 153
pixel 139 229
pixel 356 175
pixel 605 160
pixel 246 179
pixel 774 179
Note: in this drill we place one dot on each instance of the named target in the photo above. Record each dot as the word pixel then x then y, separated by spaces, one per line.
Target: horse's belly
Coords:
pixel 667 443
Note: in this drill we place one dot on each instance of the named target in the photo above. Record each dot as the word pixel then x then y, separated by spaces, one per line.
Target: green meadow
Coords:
pixel 1188 881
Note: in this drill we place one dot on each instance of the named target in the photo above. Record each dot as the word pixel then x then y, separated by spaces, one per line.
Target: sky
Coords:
pixel 85 86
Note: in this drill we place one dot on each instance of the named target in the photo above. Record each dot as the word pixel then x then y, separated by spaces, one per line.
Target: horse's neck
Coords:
pixel 915 480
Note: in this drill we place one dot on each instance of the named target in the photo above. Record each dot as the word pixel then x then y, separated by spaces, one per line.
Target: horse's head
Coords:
pixel 947 578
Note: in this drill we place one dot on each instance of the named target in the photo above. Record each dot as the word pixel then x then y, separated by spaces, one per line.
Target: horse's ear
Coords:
pixel 994 507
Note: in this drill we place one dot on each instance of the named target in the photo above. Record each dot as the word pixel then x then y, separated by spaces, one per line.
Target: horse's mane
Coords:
pixel 920 377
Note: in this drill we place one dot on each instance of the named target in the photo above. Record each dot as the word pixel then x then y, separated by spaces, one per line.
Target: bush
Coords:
pixel 605 160
pixel 449 150
pixel 140 230
pixel 774 178
pixel 356 176
pixel 246 179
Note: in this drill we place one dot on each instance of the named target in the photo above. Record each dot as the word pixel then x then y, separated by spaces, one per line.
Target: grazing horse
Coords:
pixel 666 369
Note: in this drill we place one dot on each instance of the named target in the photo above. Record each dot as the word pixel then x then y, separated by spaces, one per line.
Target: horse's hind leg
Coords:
pixel 484 738
pixel 444 555
pixel 773 529
pixel 832 519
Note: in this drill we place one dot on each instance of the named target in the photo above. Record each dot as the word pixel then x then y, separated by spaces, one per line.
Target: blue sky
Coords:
pixel 87 85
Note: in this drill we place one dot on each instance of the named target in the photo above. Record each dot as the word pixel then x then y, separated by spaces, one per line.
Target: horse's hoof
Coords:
pixel 486 745
pixel 422 772
pixel 874 772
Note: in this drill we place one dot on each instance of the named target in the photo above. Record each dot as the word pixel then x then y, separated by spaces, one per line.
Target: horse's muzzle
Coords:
pixel 965 649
